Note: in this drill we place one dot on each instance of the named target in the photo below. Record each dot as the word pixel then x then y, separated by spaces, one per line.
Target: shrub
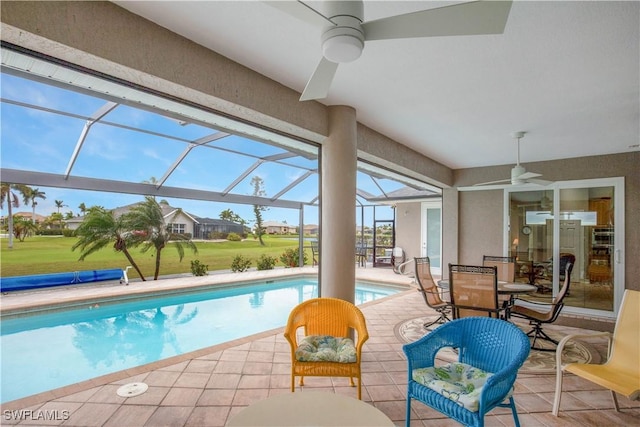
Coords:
pixel 51 232
pixel 265 262
pixel 240 263
pixel 291 257
pixel 234 237
pixel 198 268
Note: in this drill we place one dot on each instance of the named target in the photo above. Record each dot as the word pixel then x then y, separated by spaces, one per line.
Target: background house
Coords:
pixel 212 228
pixel 26 215
pixel 181 222
pixel 311 229
pixel 275 227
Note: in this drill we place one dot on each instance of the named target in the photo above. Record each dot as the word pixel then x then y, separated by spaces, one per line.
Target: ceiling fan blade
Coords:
pixel 478 17
pixel 543 182
pixel 320 81
pixel 528 175
pixel 302 11
pixel 500 181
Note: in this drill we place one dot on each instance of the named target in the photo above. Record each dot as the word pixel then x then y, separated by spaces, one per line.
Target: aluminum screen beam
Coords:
pixel 41 179
pixel 95 117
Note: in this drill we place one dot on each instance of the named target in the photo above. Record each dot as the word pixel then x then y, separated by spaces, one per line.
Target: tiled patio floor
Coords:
pixel 207 387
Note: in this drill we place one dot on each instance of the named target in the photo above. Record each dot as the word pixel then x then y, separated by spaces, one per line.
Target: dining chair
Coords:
pixel 621 372
pixel 314 252
pixel 361 255
pixel 564 259
pixel 506 266
pixel 330 345
pixel 474 291
pixel 490 352
pixel 430 292
pixel 539 313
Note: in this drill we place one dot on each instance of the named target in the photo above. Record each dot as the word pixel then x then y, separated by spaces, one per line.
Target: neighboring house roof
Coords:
pixel 215 221
pixel 167 210
pixel 75 219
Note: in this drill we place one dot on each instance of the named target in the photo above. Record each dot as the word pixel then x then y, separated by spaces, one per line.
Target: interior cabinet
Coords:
pixel 602 207
pixel 599 269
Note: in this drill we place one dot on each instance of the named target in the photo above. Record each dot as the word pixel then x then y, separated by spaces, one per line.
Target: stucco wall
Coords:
pixel 480 225
pixel 408 228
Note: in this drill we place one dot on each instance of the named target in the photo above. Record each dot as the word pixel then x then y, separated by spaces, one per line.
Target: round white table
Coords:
pixel 310 408
pixel 504 288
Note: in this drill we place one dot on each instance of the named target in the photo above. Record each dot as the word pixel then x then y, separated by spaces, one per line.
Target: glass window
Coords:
pixel 177 228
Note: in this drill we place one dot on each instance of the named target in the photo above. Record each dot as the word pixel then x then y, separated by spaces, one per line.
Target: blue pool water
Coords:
pixel 46 351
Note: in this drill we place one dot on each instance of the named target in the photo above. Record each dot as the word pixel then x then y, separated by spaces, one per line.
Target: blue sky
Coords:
pixel 43 141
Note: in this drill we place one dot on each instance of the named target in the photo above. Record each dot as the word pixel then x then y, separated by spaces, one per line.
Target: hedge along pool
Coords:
pixel 45 351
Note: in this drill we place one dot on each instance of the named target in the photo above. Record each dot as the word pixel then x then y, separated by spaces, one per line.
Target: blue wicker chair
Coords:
pixel 490 345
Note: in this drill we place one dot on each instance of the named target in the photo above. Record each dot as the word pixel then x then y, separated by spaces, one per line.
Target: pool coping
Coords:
pixel 25 301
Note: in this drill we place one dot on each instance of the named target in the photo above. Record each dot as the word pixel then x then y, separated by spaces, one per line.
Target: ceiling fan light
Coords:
pixel 342 48
pixel 516 172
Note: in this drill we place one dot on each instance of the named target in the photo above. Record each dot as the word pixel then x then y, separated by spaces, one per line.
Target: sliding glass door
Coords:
pixel 580 222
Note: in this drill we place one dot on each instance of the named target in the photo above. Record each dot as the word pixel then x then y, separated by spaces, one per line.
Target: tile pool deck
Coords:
pixel 206 387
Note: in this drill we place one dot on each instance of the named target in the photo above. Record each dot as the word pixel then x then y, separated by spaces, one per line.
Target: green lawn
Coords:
pixel 42 255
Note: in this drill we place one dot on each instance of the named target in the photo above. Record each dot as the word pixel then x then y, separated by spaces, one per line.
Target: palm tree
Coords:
pixel 83 208
pixel 30 197
pixel 229 215
pixel 55 219
pixel 8 193
pixel 59 204
pixel 99 228
pixel 146 220
pixel 23 227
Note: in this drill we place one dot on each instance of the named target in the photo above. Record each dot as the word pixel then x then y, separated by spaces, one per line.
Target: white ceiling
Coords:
pixel 568 73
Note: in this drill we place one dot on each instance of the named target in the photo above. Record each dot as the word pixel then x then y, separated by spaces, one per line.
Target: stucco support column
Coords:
pixel 339 166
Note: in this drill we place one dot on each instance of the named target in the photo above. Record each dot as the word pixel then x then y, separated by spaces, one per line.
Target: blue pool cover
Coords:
pixel 36 281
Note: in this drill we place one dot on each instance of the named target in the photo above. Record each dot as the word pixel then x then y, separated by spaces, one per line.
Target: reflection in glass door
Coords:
pixel 583 218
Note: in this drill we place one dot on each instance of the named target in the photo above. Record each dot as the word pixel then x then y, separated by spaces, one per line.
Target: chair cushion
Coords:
pixel 325 348
pixel 456 381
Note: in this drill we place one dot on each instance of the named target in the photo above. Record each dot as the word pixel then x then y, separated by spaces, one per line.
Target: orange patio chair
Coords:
pixel 334 332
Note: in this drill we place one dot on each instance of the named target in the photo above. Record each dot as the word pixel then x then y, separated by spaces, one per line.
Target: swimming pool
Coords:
pixel 45 351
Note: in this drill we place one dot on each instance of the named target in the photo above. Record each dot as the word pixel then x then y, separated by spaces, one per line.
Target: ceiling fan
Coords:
pixel 345 33
pixel 519 174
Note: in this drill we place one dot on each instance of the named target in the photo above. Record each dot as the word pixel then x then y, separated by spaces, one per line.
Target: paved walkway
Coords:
pixel 206 387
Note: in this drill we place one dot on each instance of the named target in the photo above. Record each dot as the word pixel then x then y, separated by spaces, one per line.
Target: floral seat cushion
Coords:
pixel 456 381
pixel 325 348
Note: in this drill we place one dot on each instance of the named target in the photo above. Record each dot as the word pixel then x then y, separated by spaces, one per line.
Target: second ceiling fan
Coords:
pixel 519 174
pixel 345 32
